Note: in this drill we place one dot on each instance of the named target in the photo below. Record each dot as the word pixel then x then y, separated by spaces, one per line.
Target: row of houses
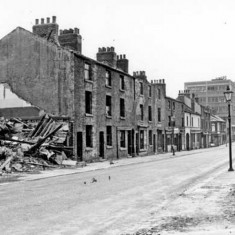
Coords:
pixel 112 113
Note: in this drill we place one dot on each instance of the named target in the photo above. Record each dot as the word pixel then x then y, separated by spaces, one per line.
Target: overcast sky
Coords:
pixel 178 40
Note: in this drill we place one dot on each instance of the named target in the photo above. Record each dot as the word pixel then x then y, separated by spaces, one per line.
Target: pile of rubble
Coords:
pixel 29 147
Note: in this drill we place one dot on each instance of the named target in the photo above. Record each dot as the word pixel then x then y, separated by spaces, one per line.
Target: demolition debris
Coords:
pixel 30 146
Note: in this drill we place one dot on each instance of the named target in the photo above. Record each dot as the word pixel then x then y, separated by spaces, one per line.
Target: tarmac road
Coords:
pixel 121 201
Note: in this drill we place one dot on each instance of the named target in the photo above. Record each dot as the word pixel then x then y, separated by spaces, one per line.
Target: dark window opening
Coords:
pixel 141 112
pixel 150 113
pixel 141 88
pixel 109 135
pixel 88 72
pixel 122 82
pixel 159 114
pixel 108 105
pixel 108 78
pixel 141 139
pixel 159 94
pixel 89 136
pixel 150 91
pixel 150 137
pixel 88 101
pixel 122 107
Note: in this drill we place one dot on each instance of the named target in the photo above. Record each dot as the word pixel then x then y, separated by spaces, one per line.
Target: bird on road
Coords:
pixel 93 180
pixel 84 182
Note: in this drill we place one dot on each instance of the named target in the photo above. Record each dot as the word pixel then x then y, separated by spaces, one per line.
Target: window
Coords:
pixel 150 113
pixel 141 112
pixel 122 82
pixel 87 71
pixel 173 104
pixel 192 122
pixel 159 93
pixel 122 107
pixel 169 120
pixel 187 120
pixel 159 114
pixel 109 135
pixel 141 88
pixel 142 139
pixel 108 105
pixel 150 137
pixel 108 78
pixel 150 91
pixel 89 136
pixel 122 139
pixel 88 97
pixel 169 104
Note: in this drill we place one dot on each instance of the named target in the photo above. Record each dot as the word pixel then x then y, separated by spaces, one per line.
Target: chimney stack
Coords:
pixel 107 55
pixel 47 30
pixel 123 63
pixel 71 39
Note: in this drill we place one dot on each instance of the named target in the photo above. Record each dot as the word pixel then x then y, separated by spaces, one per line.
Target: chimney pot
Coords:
pixel 53 19
pixel 36 21
pixel 103 49
pixel 48 20
pixel 124 56
pixel 76 30
pixel 112 48
pixel 42 20
pixel 163 81
pixel 120 57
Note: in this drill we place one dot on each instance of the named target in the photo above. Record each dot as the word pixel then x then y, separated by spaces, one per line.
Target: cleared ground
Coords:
pixel 123 200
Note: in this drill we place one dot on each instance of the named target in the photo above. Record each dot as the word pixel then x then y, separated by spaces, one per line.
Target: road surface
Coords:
pixel 121 201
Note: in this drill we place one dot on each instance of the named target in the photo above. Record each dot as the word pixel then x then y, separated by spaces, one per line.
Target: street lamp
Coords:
pixel 228 96
pixel 172 137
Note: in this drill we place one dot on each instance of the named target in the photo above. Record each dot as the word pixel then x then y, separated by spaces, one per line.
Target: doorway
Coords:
pixel 79 146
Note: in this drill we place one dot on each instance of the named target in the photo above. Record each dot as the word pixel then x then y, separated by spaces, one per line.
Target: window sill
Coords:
pixel 89 81
pixel 109 147
pixel 150 121
pixel 143 150
pixel 121 90
pixel 89 148
pixel 141 95
pixel 123 148
pixel 88 115
pixel 122 118
pixel 108 86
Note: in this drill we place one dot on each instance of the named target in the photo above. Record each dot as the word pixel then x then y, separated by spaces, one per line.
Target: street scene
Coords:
pixel 189 193
pixel 117 117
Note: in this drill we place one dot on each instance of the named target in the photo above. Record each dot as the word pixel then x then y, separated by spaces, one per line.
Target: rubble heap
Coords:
pixel 27 147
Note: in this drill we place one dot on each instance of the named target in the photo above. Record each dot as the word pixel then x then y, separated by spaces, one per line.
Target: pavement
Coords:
pixel 106 164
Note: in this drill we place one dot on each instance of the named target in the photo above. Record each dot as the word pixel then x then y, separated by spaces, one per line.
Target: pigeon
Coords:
pixel 93 180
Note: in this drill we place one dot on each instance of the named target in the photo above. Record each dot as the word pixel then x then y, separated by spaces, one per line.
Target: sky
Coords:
pixel 176 40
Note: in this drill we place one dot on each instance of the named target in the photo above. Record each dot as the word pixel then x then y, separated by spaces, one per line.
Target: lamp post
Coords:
pixel 172 137
pixel 228 96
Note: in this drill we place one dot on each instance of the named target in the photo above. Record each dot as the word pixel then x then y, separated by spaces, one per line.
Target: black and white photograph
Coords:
pixel 117 117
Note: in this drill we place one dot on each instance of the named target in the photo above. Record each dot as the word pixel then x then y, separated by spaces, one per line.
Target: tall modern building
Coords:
pixel 211 93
